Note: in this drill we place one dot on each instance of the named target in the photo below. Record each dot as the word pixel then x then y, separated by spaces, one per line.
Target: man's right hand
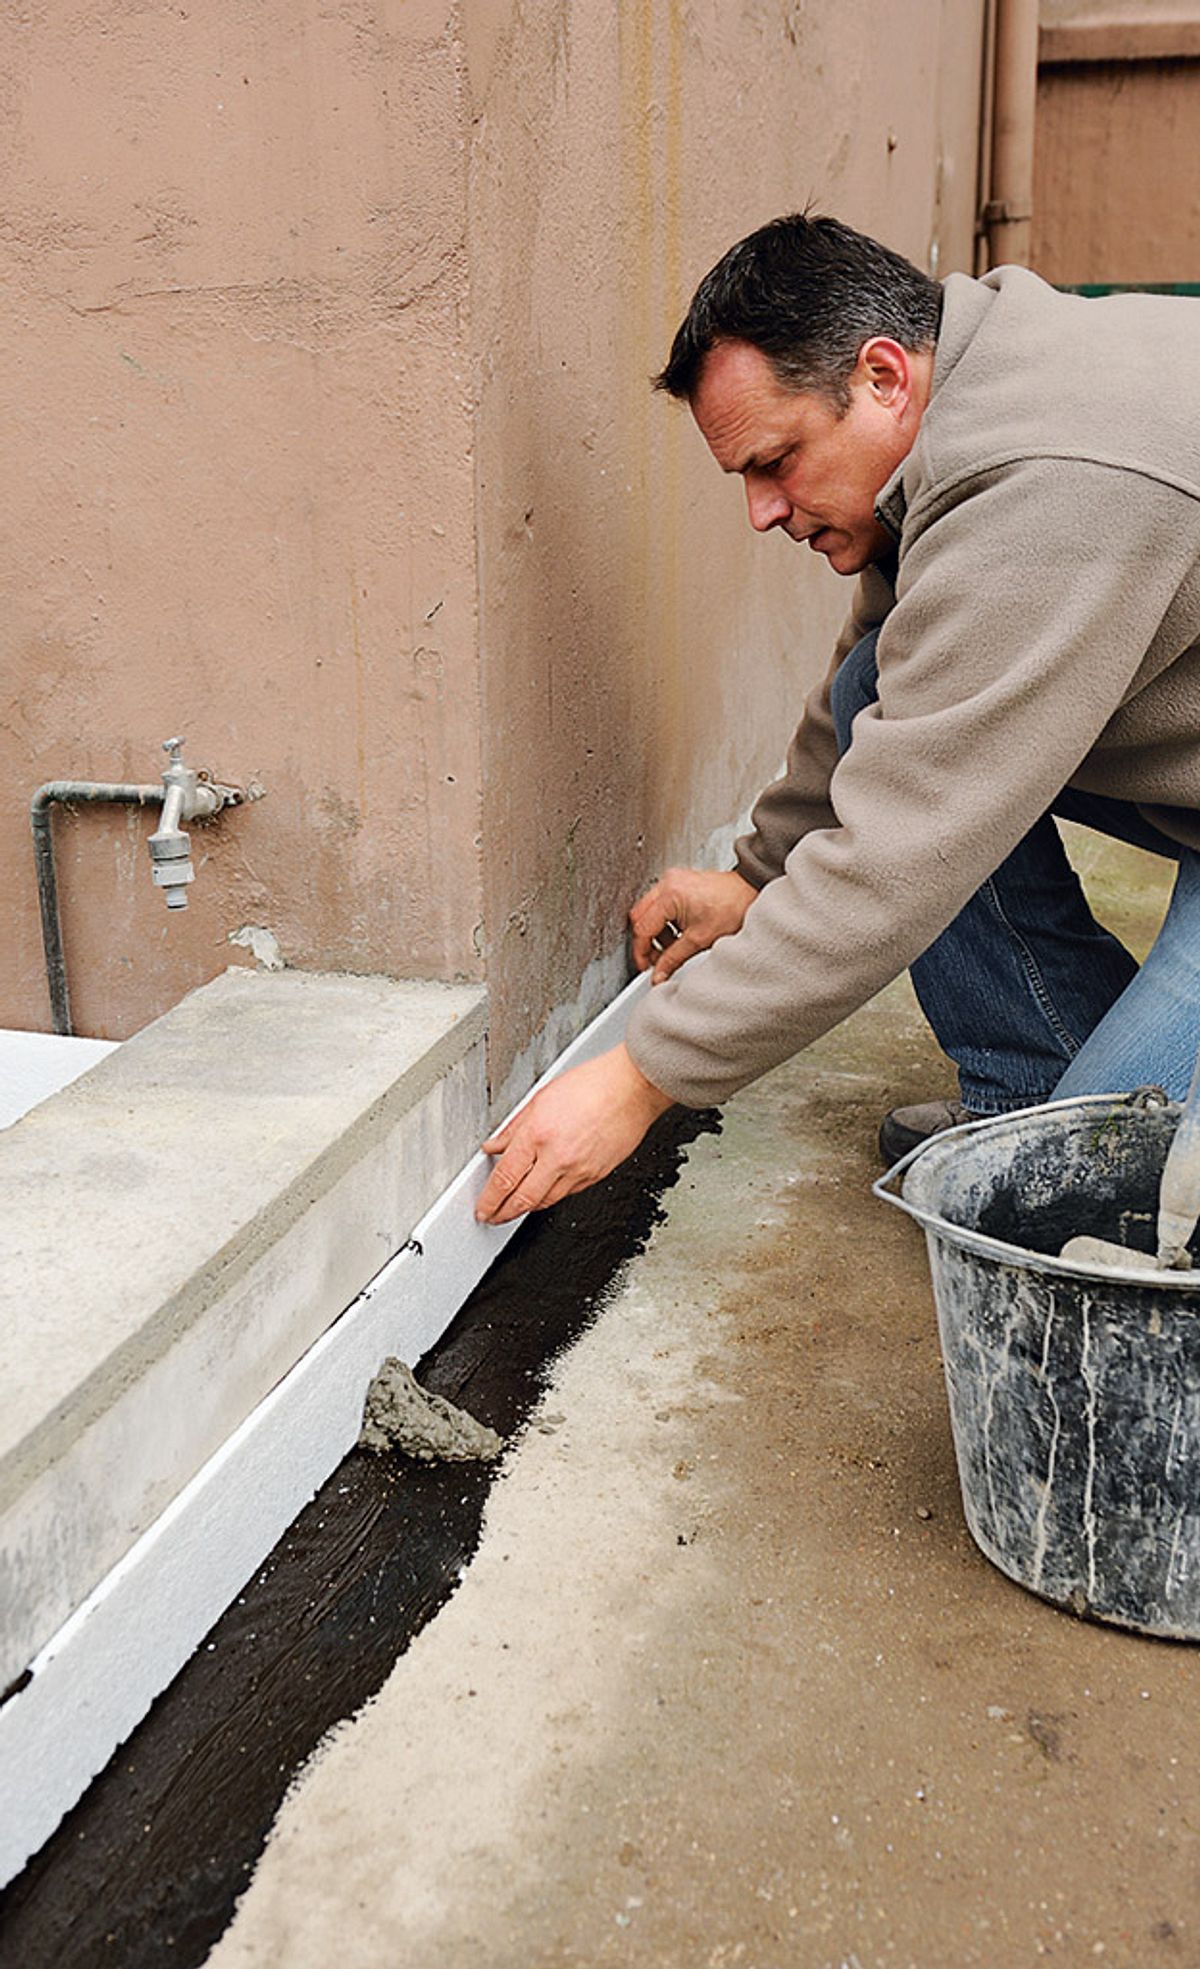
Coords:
pixel 701 904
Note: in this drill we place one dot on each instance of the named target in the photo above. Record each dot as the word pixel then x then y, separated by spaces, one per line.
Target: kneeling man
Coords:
pixel 1013 476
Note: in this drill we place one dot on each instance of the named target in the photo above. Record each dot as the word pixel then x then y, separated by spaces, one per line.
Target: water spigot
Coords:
pixel 187 795
pixel 170 847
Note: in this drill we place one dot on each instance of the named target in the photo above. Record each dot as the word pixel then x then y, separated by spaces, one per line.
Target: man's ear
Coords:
pixel 886 367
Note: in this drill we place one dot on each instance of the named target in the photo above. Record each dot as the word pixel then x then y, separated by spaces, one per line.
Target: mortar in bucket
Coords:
pixel 1074 1389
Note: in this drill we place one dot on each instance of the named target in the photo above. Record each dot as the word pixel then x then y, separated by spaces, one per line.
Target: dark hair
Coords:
pixel 808 292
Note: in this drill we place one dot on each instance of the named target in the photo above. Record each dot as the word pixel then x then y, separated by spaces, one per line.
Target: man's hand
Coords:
pixel 569 1136
pixel 700 905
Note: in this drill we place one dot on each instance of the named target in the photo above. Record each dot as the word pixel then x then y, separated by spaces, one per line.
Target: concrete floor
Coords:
pixel 728 1682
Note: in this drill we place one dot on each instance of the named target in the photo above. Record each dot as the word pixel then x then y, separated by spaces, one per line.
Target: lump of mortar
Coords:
pixel 1098 1252
pixel 400 1415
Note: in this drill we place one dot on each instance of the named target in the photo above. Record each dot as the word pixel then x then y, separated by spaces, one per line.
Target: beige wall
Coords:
pixel 238 497
pixel 643 652
pixel 1116 191
pixel 331 445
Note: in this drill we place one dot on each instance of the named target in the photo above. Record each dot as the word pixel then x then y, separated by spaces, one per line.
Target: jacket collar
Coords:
pixel 892 503
pixel 965 304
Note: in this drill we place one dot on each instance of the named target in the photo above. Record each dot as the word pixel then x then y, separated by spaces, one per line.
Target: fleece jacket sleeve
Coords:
pixel 1026 604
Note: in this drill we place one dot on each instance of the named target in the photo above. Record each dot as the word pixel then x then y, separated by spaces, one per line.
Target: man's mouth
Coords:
pixel 822 540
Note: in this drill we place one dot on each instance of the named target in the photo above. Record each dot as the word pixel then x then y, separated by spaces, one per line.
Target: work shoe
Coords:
pixel 905 1128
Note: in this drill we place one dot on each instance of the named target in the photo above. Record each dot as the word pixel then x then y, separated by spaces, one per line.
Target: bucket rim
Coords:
pixel 1016 1254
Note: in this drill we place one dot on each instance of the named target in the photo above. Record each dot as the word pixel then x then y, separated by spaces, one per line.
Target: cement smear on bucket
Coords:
pixel 1102 1253
pixel 401 1415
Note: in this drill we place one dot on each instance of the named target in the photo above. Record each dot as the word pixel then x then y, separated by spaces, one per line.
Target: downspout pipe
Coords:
pixel 68 792
pixel 1008 212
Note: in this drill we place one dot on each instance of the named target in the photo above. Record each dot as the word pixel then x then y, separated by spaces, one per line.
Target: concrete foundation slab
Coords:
pixel 62 1722
pixel 182 1223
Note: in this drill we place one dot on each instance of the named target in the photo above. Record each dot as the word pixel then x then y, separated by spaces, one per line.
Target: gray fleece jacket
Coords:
pixel 1043 630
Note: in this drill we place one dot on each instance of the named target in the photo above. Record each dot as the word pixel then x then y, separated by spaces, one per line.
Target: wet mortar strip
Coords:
pixel 147 1867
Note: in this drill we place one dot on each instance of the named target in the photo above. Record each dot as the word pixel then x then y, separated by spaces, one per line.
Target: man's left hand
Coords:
pixel 576 1130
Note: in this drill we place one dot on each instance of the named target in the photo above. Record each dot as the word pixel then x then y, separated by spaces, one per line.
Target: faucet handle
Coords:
pixel 173 748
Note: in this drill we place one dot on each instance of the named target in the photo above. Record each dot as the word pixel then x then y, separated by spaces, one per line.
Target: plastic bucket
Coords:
pixel 1074 1394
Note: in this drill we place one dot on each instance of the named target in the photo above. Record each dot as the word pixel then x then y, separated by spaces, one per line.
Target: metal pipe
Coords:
pixel 68 792
pixel 183 794
pixel 983 147
pixel 172 812
pixel 1008 213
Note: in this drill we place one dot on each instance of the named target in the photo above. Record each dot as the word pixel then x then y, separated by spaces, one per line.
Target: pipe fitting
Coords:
pixel 187 795
pixel 170 848
pixel 184 795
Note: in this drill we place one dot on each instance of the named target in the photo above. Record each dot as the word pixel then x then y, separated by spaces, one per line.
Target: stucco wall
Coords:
pixel 643 653
pixel 238 497
pixel 331 445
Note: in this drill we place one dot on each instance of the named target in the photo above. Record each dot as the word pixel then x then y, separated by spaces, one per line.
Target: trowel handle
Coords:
pixel 1179 1191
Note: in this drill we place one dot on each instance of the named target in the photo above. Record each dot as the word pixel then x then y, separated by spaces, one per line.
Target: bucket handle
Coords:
pixel 1141 1097
pixel 880 1188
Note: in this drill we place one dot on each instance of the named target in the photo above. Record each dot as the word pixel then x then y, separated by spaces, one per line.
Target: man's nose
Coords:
pixel 766 504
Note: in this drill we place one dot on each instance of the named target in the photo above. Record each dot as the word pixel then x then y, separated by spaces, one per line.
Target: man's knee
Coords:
pixel 855 684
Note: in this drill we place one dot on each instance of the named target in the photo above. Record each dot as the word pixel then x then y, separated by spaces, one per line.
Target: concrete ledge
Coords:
pixel 182 1223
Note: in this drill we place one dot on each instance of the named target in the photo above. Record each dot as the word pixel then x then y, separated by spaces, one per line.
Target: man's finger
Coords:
pixel 526 1192
pixel 507 1175
pixel 519 1205
pixel 654 907
pixel 657 930
pixel 645 905
pixel 673 956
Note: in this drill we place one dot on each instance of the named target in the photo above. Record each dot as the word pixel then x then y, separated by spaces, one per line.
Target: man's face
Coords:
pixel 806 468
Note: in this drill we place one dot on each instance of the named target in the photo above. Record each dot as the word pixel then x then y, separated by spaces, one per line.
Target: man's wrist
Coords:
pixel 648 1096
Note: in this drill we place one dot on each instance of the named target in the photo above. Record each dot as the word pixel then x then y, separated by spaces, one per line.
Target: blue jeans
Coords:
pixel 1026 992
